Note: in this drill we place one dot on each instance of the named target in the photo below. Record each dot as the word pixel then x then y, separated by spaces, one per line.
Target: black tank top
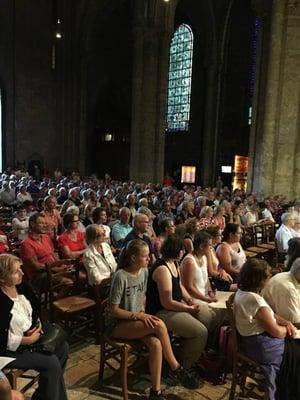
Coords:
pixel 153 304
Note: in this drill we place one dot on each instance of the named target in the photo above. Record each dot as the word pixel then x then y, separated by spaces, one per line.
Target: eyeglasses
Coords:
pixel 75 220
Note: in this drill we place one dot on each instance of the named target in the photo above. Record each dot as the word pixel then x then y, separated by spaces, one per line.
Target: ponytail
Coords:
pixel 133 248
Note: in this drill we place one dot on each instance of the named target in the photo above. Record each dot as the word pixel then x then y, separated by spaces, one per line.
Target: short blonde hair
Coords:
pixel 91 232
pixel 7 262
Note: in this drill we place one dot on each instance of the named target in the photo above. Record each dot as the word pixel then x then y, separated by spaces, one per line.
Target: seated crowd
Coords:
pixel 161 254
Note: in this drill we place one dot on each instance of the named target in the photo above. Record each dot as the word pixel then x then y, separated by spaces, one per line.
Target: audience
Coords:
pixel 182 299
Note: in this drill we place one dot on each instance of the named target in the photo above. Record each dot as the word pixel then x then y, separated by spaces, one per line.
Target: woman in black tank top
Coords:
pixel 168 299
pixel 172 250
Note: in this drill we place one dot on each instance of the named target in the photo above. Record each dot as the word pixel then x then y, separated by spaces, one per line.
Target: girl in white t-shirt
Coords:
pixel 262 331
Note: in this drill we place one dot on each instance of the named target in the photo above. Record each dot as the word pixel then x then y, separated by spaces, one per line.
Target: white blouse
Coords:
pixel 20 322
pixel 246 306
pixel 99 266
pixel 200 274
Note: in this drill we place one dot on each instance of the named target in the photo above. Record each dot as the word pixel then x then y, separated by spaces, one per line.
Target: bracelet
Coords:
pixel 134 317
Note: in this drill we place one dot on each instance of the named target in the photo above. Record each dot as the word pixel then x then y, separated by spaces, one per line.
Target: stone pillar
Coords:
pixel 152 34
pixel 276 161
pixel 210 132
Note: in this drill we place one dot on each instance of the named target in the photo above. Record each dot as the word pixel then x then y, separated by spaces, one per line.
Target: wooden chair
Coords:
pixel 243 366
pixel 14 374
pixel 69 308
pixel 249 242
pixel 114 349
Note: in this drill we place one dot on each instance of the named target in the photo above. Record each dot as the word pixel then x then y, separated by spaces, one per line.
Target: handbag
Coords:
pixel 52 338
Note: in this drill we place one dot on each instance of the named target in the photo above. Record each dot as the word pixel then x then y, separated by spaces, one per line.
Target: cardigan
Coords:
pixel 6 305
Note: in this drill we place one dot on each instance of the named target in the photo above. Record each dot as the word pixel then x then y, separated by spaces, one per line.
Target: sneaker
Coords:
pixel 187 380
pixel 156 395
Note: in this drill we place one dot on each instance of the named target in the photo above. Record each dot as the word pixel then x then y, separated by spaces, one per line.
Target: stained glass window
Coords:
pixel 180 79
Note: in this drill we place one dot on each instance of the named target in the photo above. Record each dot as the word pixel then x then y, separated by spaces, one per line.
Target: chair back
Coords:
pixel 268 232
pixel 101 298
pixel 248 238
pixel 231 318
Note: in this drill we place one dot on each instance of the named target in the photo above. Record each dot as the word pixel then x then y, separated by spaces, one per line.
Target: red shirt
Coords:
pixel 41 248
pixel 73 245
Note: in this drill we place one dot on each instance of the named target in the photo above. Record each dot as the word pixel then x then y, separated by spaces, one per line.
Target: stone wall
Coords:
pixel 27 81
pixel 275 167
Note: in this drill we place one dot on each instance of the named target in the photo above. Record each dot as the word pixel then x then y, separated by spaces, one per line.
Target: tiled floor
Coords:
pixel 82 383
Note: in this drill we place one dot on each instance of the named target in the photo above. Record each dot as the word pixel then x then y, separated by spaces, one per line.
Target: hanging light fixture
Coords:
pixel 58 34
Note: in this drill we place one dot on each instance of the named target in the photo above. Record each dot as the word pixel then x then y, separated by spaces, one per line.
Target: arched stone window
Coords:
pixel 180 79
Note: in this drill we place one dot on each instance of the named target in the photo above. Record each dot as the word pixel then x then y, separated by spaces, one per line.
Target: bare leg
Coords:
pixel 138 330
pixel 155 360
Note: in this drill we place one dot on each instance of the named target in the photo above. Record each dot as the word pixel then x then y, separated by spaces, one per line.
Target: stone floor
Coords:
pixel 82 383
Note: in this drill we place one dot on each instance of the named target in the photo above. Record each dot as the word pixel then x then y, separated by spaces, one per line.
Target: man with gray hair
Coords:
pixel 282 293
pixel 139 231
pixel 284 233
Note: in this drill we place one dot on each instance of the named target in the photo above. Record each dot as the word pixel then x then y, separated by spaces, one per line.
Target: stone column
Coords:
pixel 276 162
pixel 152 33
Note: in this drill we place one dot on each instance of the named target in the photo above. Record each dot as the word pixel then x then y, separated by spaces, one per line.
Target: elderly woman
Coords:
pixel 219 217
pixel 52 217
pixel 150 231
pixel 20 329
pixel 98 259
pixel 230 252
pixel 72 242
pixel 187 211
pixel 263 332
pixel 88 215
pixel 23 195
pixel 167 227
pixel 205 217
pixel 192 226
pixel 20 224
pixel 76 212
pixel 100 218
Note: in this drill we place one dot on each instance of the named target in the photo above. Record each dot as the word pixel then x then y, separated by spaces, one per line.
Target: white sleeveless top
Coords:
pixel 200 273
pixel 238 258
